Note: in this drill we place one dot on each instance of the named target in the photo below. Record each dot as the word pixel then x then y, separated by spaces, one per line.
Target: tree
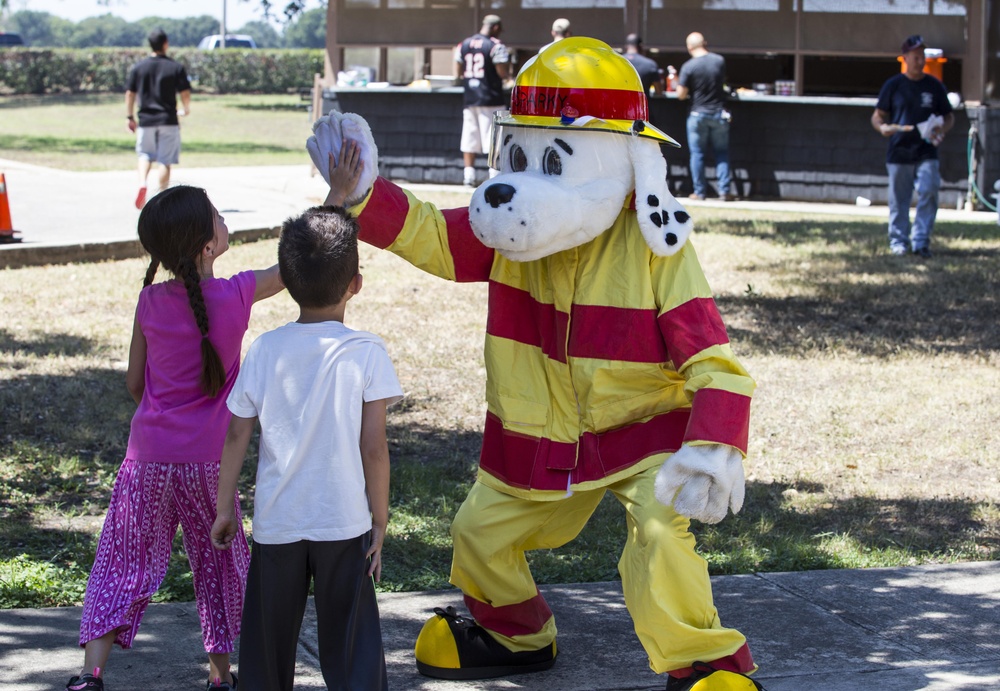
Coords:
pixel 263 34
pixel 308 30
pixel 107 30
pixel 292 8
pixel 303 29
pixel 41 28
pixel 182 33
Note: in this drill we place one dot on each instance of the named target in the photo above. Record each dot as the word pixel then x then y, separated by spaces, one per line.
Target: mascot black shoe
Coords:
pixel 707 678
pixel 451 646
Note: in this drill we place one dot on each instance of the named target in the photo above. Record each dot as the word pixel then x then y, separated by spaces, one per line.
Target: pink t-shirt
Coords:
pixel 176 422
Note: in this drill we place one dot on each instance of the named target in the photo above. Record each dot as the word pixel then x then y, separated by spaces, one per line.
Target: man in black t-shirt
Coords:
pixel 155 84
pixel 482 62
pixel 649 72
pixel 703 80
pixel 906 101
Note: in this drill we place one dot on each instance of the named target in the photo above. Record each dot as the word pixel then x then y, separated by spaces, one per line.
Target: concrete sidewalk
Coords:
pixel 67 216
pixel 932 628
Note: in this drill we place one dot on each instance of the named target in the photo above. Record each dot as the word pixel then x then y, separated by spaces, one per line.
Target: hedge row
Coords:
pixel 52 70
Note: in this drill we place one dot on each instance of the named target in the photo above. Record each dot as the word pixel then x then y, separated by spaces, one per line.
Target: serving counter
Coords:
pixel 806 148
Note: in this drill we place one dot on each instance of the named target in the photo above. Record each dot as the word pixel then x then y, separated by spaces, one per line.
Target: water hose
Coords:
pixel 972 180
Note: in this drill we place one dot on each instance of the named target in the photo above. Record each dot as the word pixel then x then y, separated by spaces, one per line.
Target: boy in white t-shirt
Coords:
pixel 321 505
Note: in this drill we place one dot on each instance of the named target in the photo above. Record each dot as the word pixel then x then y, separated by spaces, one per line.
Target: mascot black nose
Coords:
pixel 499 194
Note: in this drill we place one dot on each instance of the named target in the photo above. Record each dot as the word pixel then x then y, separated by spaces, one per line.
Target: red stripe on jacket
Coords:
pixel 520 619
pixel 616 333
pixel 609 333
pixel 720 416
pixel 473 260
pixel 515 315
pixel 528 462
pixel 384 215
pixel 690 328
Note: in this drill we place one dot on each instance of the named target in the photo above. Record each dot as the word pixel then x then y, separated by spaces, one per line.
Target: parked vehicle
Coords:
pixel 232 41
pixel 10 39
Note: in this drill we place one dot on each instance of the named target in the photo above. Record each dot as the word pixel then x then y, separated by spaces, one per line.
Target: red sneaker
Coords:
pixel 140 198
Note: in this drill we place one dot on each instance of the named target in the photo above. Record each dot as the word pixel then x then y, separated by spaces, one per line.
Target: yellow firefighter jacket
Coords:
pixel 600 360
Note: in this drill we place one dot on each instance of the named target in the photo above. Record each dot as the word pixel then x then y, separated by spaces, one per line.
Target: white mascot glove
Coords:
pixel 329 133
pixel 702 482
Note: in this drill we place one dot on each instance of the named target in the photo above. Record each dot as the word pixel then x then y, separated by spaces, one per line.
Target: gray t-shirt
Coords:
pixel 704 77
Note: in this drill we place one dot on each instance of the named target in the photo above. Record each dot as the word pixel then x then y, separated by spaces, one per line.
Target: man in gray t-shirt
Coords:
pixel 702 79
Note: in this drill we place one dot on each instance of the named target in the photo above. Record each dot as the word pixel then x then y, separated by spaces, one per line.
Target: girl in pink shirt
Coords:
pixel 183 360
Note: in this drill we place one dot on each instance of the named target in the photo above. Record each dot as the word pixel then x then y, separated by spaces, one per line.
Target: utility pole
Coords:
pixel 222 27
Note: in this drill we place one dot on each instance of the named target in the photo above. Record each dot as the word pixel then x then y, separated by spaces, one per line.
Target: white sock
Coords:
pixel 470 174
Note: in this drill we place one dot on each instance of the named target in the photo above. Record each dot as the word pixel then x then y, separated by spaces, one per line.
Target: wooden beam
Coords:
pixel 334 61
pixel 974 63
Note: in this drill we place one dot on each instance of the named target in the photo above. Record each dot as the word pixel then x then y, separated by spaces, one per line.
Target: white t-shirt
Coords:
pixel 307 384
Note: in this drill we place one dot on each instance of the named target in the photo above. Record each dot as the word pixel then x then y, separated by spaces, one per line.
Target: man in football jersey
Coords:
pixel 482 62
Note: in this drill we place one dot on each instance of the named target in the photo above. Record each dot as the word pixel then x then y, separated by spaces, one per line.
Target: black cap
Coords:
pixel 912 43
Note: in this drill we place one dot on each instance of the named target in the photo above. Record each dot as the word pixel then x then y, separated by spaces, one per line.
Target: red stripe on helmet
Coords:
pixel 549 101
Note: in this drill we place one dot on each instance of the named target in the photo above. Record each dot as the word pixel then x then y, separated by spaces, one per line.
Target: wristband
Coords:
pixel 130 117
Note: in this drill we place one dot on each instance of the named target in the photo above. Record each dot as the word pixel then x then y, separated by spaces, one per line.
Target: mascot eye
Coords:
pixel 518 159
pixel 551 162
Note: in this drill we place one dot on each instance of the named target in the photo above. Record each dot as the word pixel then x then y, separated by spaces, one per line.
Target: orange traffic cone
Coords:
pixel 7 232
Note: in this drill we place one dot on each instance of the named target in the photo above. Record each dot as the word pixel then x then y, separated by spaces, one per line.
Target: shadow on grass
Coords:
pixel 840 230
pixel 772 534
pixel 61 345
pixel 869 302
pixel 287 107
pixel 34 101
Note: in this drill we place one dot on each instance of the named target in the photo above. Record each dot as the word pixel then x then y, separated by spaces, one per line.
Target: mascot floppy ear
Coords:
pixel 329 133
pixel 664 223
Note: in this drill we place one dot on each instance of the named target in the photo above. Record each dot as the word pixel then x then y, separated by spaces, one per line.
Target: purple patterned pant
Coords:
pixel 148 502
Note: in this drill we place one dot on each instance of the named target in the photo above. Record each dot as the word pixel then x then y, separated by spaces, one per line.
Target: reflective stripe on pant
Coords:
pixel 666 584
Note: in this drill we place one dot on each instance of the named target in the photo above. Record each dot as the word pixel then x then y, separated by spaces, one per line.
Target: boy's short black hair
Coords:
pixel 318 255
pixel 156 38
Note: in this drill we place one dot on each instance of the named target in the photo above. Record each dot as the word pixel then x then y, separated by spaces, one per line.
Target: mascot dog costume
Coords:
pixel 608 369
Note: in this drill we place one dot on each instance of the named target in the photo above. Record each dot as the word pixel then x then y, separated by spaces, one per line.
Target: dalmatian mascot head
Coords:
pixel 574 145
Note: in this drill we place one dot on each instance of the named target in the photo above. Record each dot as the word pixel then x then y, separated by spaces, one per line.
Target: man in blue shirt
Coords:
pixel 905 101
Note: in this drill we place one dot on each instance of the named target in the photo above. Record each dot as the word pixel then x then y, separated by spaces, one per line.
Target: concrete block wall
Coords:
pixel 807 149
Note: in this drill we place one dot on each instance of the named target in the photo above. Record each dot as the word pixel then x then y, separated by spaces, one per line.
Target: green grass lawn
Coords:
pixel 872 440
pixel 89 132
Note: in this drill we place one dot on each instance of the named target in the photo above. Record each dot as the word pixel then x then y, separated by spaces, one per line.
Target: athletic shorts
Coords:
pixel 477 122
pixel 159 143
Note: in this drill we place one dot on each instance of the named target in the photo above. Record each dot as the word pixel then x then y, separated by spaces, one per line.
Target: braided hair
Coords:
pixel 174 227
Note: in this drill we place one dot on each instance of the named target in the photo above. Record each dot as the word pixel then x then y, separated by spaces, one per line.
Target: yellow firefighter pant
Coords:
pixel 665 582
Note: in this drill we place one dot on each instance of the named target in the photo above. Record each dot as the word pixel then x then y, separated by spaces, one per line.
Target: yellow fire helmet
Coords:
pixel 580 82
